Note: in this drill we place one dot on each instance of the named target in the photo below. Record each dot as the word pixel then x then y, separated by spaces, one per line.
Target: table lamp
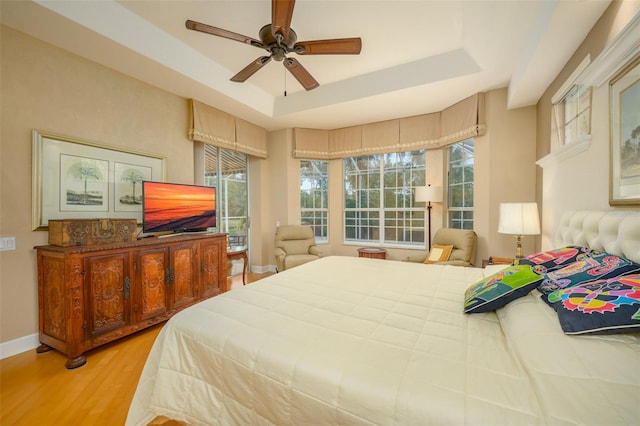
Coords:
pixel 429 194
pixel 519 219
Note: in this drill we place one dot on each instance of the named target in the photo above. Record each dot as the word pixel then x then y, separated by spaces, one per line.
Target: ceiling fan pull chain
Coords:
pixel 284 70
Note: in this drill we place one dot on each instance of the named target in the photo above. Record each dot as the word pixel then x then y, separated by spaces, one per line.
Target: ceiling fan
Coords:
pixel 279 39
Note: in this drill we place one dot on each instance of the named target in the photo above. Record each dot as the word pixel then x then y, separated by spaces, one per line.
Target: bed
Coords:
pixel 346 340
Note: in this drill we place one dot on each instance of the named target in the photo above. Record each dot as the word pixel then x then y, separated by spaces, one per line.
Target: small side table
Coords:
pixel 497 261
pixel 240 254
pixel 372 252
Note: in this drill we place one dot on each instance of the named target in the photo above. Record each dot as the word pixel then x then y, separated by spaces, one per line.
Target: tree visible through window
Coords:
pixel 314 197
pixel 573 114
pixel 379 199
pixel 227 171
pixel 460 185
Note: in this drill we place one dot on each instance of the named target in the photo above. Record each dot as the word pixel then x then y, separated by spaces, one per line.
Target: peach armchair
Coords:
pixel 295 245
pixel 464 243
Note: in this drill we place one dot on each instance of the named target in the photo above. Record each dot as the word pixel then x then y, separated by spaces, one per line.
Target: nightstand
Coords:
pixel 497 261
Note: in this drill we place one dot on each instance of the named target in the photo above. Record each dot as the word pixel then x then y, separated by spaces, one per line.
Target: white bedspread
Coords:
pixel 346 340
pixel 579 380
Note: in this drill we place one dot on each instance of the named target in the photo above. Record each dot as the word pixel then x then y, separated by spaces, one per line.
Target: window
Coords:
pixel 379 205
pixel 573 114
pixel 460 185
pixel 227 171
pixel 314 197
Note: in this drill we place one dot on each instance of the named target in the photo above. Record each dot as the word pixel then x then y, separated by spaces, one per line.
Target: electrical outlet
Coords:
pixel 7 243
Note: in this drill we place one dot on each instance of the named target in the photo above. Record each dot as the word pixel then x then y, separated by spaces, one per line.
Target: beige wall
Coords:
pixel 48 89
pixel 260 195
pixel 505 172
pixel 580 181
pixel 283 203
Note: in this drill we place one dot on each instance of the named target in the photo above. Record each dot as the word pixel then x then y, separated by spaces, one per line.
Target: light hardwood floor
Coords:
pixel 36 389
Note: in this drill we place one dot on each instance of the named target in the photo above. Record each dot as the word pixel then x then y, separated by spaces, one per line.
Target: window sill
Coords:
pixel 567 151
pixel 387 246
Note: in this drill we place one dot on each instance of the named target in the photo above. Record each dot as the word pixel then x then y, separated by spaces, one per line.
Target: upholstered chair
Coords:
pixel 295 245
pixel 464 243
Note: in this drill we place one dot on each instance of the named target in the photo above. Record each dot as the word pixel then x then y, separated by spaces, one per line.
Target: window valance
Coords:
pixel 311 143
pixel 210 125
pixel 461 121
pixel 251 139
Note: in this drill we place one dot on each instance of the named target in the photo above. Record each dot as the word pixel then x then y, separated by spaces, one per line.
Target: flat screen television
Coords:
pixel 177 207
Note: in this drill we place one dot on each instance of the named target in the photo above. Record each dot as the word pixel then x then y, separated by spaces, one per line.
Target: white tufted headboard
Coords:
pixel 616 232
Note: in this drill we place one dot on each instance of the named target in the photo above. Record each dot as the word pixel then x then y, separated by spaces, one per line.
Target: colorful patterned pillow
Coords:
pixel 588 266
pixel 599 307
pixel 500 288
pixel 550 260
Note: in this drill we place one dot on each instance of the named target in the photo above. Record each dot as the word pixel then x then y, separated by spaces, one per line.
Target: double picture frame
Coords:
pixel 74 178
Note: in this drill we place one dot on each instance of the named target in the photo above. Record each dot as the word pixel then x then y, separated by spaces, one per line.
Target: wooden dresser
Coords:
pixel 94 294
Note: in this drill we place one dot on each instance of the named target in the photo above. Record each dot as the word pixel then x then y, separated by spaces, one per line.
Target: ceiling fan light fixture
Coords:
pixel 278 54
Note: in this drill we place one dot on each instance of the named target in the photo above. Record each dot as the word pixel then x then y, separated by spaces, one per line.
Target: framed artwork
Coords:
pixel 128 185
pixel 624 180
pixel 80 179
pixel 83 184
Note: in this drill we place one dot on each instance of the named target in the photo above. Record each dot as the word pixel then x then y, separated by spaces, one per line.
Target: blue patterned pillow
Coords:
pixel 599 307
pixel 588 266
pixel 500 288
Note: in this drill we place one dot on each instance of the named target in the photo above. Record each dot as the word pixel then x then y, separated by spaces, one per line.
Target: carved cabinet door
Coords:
pixel 153 272
pixel 108 284
pixel 212 267
pixel 184 274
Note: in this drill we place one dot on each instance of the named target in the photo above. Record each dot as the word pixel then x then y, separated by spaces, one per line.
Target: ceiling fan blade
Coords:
pixel 251 69
pixel 301 74
pixel 336 46
pixel 208 29
pixel 281 14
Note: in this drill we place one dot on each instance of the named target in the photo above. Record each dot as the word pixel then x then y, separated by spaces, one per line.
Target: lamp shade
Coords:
pixel 429 193
pixel 519 219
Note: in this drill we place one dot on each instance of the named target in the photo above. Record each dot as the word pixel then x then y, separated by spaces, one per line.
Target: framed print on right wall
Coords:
pixel 624 170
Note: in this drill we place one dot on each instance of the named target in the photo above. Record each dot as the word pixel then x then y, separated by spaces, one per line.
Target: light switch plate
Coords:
pixel 7 243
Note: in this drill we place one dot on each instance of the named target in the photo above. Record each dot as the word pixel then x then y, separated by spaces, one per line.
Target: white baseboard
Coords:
pixel 19 345
pixel 263 269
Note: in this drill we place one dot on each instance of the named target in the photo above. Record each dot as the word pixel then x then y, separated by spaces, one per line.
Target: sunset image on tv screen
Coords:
pixel 176 207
